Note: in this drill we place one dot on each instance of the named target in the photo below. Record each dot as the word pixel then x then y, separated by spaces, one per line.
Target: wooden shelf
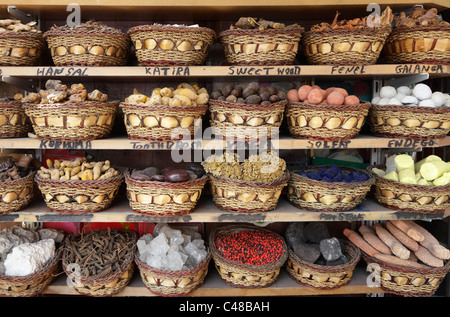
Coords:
pixel 284 143
pixel 389 70
pixel 206 211
pixel 214 286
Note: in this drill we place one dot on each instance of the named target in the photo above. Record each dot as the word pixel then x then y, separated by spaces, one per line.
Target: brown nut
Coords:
pixel 176 176
pixel 253 100
pixel 158 178
pixel 248 92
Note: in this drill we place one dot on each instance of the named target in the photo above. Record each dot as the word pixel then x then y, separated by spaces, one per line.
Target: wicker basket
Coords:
pixel 173 283
pixel 410 198
pixel 16 194
pixel 14 122
pixel 409 121
pixel 94 48
pixel 406 281
pixel 235 121
pixel 325 122
pixel 161 123
pixel 344 47
pixel 246 196
pixel 323 276
pixel 101 286
pixel 84 121
pixel 21 48
pixel 32 284
pixel 241 275
pixel 77 196
pixel 310 194
pixel 261 47
pixel 170 45
pixel 155 198
pixel 419 44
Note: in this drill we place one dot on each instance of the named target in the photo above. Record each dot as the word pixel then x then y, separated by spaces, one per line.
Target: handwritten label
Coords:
pixel 418 69
pixel 347 70
pixel 168 71
pixel 67 145
pixel 168 145
pixel 410 143
pixel 62 71
pixel 328 144
pixel 341 216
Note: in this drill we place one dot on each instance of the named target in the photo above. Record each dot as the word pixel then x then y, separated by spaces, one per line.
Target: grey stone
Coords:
pixel 307 251
pixel 316 231
pixel 294 233
pixel 330 249
pixel 341 260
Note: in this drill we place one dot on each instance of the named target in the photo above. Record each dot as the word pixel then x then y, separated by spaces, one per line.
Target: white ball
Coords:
pixel 388 92
pixel 399 96
pixel 438 98
pixel 409 100
pixel 447 97
pixel 395 102
pixel 447 104
pixel 405 90
pixel 383 102
pixel 422 91
pixel 427 103
pixel 375 100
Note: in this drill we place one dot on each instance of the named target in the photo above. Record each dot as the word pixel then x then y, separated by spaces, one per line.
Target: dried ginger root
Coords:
pixel 79 169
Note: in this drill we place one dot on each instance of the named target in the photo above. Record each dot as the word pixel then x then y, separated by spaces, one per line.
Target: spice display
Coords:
pixel 334 96
pixel 56 92
pixel 420 17
pixel 169 174
pixel 253 93
pixel 334 174
pixel 101 252
pixel 253 247
pixel 409 244
pixel 246 23
pixel 78 169
pixel 172 249
pixel 25 251
pixel 377 21
pixel 264 167
pixel 11 169
pixel 184 94
pixel 312 242
pixel 420 95
pixel 10 25
pixel 431 170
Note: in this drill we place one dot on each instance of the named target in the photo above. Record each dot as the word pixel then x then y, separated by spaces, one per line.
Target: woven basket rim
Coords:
pixel 249 107
pixel 10 103
pixel 420 28
pixel 83 104
pixel 80 183
pixel 445 188
pixel 137 106
pixel 47 267
pixel 334 32
pixel 416 109
pixel 293 30
pixel 282 179
pixel 124 267
pixel 77 33
pixel 361 106
pixel 168 185
pixel 335 268
pixel 31 174
pixel 405 269
pixel 11 34
pixel 180 273
pixel 258 268
pixel 369 182
pixel 170 28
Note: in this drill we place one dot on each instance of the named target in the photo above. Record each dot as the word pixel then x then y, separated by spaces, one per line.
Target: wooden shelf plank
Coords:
pixel 215 286
pixel 226 71
pixel 206 211
pixel 284 143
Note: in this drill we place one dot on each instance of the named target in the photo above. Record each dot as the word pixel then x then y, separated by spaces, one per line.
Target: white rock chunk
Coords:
pixel 422 91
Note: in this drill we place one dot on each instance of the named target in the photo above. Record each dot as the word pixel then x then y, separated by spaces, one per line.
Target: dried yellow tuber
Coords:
pixel 87 175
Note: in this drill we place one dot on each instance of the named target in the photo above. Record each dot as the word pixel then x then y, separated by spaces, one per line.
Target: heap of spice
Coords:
pixel 253 247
